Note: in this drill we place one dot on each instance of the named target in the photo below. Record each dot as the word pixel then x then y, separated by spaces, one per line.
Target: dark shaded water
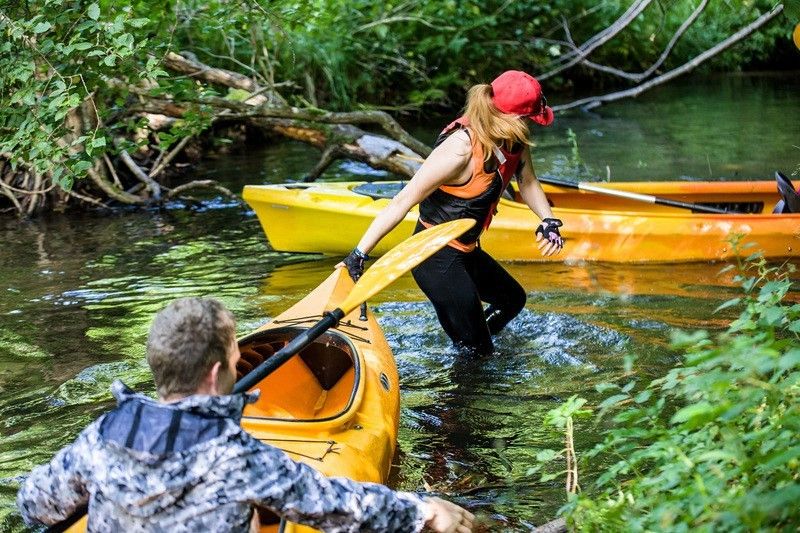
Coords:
pixel 77 296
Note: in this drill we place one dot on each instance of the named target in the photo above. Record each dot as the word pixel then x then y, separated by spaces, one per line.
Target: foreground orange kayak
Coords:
pixel 335 405
pixel 330 218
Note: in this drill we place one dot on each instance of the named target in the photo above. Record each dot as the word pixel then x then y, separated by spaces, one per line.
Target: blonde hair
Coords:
pixel 489 126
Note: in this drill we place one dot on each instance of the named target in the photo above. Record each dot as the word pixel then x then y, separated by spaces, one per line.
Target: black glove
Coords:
pixel 549 230
pixel 355 263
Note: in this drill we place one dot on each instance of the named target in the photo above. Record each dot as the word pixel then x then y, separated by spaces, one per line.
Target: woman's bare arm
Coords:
pixel 446 164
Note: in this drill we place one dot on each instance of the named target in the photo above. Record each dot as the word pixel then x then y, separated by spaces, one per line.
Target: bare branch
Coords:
pixel 576 56
pixel 152 185
pixel 200 184
pixel 158 168
pixel 87 199
pixel 644 75
pixel 683 69
pixel 329 155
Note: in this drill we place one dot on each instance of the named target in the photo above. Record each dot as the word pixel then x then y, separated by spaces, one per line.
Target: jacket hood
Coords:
pixel 227 406
pixel 155 453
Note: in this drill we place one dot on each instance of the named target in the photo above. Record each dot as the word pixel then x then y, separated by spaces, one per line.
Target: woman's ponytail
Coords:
pixel 490 126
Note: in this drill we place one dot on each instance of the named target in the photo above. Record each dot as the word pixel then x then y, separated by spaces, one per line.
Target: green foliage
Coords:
pixel 71 70
pixel 409 54
pixel 711 446
pixel 57 60
pixel 561 419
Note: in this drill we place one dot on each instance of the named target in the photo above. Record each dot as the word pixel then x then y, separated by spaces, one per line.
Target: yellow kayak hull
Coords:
pixel 335 406
pixel 330 218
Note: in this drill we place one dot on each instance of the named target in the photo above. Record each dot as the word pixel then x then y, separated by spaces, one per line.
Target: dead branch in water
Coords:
pixel 579 54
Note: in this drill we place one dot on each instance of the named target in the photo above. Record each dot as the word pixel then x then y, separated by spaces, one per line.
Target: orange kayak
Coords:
pixel 334 406
pixel 330 218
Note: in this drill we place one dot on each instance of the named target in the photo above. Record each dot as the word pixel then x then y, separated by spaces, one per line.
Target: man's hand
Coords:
pixel 354 263
pixel 445 517
pixel 548 236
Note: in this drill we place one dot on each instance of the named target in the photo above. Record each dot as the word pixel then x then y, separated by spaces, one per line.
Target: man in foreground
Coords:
pixel 184 464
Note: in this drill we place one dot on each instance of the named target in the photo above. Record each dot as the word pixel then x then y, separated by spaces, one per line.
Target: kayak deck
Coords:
pixel 330 218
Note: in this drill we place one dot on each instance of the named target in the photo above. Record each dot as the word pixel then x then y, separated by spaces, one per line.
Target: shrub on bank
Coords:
pixel 713 445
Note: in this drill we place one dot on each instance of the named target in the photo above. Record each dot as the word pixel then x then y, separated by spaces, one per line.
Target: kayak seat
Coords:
pixel 317 383
pixel 790 197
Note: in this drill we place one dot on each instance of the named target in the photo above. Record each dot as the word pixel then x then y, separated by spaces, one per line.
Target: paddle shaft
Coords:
pixel 252 378
pixel 634 196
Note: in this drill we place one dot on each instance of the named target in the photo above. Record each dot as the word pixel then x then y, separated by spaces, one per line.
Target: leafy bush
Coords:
pixel 713 445
pixel 58 57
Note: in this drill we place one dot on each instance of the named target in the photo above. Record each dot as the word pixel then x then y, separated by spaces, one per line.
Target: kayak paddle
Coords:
pixel 381 274
pixel 633 196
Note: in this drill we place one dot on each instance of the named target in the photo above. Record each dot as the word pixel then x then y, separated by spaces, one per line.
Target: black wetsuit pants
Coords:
pixel 457 283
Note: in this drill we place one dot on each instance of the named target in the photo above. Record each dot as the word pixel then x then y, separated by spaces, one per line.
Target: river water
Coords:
pixel 77 295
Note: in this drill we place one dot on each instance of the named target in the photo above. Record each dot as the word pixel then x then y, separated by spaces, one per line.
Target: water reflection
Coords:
pixel 77 295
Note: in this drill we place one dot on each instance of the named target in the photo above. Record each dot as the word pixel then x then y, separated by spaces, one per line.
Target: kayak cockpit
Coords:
pixel 318 384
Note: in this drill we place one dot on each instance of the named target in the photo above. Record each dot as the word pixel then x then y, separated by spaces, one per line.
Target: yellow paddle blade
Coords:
pixel 400 260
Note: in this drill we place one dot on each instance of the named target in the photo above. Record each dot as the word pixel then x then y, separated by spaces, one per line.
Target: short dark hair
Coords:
pixel 186 338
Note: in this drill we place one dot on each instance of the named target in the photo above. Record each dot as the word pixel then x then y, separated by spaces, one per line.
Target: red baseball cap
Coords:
pixel 518 93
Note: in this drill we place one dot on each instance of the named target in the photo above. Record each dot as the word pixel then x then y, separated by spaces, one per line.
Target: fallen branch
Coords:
pixel 335 130
pixel 187 63
pixel 559 525
pixel 150 183
pixel 112 191
pixel 594 101
pixel 576 56
pixel 200 184
pixel 637 77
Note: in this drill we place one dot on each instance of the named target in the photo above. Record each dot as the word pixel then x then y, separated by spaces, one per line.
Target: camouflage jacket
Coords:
pixel 188 466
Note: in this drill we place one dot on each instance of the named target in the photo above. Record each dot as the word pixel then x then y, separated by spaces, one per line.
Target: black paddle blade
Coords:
pixel 790 196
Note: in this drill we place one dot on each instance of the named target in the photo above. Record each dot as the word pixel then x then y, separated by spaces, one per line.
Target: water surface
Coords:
pixel 78 295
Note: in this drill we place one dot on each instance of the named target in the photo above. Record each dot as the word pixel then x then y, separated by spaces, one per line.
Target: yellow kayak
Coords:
pixel 335 405
pixel 330 218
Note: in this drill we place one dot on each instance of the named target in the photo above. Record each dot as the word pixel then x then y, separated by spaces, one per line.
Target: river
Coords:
pixel 79 292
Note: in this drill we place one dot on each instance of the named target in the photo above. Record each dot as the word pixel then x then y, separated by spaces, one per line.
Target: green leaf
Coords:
pixel 549 477
pixel 544 456
pixel 604 387
pixel 643 396
pixel 790 359
pixel 791 8
pixel 729 303
pixel 93 12
pixel 98 142
pixel 42 27
pixel 613 400
pixel 693 413
pixel 81 167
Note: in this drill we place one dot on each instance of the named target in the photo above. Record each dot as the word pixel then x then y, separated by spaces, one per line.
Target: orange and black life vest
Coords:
pixel 478 197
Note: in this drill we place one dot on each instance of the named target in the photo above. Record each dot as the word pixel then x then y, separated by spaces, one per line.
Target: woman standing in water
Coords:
pixel 470 167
